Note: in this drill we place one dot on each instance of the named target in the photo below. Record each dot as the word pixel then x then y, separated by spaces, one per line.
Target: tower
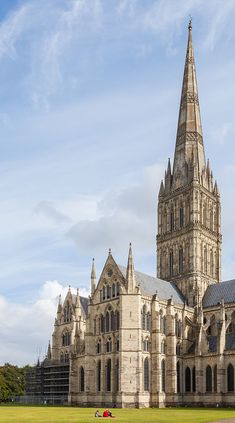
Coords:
pixel 189 239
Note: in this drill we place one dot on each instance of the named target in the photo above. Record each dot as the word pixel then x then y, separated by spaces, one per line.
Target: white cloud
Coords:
pixel 125 215
pixel 26 328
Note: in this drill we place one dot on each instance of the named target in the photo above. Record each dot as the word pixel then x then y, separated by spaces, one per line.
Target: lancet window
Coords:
pixel 181 260
pixel 110 321
pixel 230 378
pixel 109 291
pixel 67 313
pixel 181 216
pixel 208 379
pixel 146 374
pixel 163 376
pixel 66 339
pixel 82 379
pixel 109 345
pixel 146 319
pixel 108 375
pixel 98 347
pixel 98 375
pixel 171 263
pixel 162 323
pixel 178 370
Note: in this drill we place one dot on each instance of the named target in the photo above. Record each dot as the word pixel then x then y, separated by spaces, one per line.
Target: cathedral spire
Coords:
pixel 189 139
pixel 130 272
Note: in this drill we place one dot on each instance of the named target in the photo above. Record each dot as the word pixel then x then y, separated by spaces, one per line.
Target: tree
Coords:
pixel 12 381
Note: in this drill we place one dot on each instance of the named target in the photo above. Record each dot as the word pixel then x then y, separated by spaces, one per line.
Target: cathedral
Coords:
pixel 144 341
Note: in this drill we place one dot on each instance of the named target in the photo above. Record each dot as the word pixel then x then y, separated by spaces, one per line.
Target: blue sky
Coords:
pixel 89 97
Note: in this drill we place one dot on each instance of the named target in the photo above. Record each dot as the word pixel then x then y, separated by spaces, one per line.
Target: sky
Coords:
pixel 89 99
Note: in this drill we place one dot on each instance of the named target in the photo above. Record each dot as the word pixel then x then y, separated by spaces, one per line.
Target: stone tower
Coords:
pixel 189 239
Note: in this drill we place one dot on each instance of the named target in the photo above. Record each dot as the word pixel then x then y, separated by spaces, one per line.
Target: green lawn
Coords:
pixel 14 414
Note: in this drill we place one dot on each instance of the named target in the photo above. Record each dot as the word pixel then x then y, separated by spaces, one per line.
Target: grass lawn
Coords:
pixel 21 414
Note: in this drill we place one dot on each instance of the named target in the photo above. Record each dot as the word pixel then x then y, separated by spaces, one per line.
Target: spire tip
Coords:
pixel 190 22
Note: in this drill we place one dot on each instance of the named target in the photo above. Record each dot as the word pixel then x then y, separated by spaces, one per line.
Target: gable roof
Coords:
pixel 83 302
pixel 149 285
pixel 218 291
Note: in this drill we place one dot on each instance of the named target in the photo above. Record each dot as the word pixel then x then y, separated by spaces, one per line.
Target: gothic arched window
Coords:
pixel 178 376
pixel 208 379
pixel 146 374
pixel 102 323
pixel 163 376
pixel 205 260
pixel 117 320
pixel 66 339
pixel 107 322
pixel 211 264
pixel 187 379
pixel 178 327
pixel 113 326
pixel 108 290
pixel 98 374
pixel 66 357
pixel 108 375
pixel 171 263
pixel 231 327
pixel 162 323
pixel 230 378
pixel 172 220
pixel 117 375
pixel 113 290
pixel 178 349
pixel 82 379
pixel 211 221
pixel 109 345
pixel 98 347
pixel 215 378
pixel 181 216
pixel 163 347
pixel 104 292
pixel 194 379
pixel 181 260
pixel 148 322
pixel 204 215
pixel 67 313
pixel 146 345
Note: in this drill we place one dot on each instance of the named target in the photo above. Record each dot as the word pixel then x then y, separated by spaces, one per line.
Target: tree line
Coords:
pixel 12 381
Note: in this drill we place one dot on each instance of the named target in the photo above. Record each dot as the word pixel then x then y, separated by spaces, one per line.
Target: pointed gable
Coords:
pixel 110 274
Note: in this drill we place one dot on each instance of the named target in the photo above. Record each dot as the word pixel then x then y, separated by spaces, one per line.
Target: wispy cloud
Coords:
pixel 13 28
